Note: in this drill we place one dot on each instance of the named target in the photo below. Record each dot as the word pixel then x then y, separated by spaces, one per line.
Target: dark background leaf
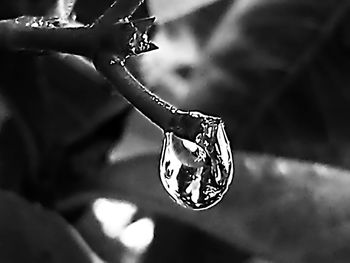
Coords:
pixel 57 111
pixel 285 210
pixel 31 234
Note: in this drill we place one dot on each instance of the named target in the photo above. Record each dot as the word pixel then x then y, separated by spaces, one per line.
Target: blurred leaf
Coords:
pixel 107 248
pixel 58 109
pixel 176 242
pixel 287 210
pixel 119 10
pixel 31 234
pixel 14 9
pixel 77 103
pixel 165 10
pixel 276 71
pixel 89 11
pixel 63 8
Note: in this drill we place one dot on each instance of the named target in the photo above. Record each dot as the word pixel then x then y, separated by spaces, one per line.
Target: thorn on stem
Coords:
pixel 144 24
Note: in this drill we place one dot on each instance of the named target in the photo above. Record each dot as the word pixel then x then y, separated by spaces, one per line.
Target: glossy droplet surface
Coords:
pixel 197 174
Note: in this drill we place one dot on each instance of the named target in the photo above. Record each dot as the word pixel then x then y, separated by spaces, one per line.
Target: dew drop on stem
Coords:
pixel 197 174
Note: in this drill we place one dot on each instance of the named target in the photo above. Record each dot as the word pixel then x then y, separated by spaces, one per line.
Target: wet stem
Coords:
pixel 20 34
pixel 107 44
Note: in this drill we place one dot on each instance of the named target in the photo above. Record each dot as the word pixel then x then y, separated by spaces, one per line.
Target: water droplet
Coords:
pixel 197 174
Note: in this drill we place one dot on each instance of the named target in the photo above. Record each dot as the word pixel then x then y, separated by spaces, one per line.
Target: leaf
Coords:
pixel 63 9
pixel 107 248
pixel 31 234
pixel 88 11
pixel 177 242
pixel 58 110
pixel 276 71
pixel 26 7
pixel 81 104
pixel 289 211
pixel 166 11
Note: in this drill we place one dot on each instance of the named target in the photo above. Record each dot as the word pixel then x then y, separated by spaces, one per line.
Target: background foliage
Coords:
pixel 276 71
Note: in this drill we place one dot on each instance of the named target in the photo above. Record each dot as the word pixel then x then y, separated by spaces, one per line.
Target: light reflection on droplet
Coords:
pixel 197 174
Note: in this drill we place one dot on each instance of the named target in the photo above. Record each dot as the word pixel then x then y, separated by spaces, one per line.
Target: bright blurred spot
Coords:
pixel 138 235
pixel 114 215
pixel 166 10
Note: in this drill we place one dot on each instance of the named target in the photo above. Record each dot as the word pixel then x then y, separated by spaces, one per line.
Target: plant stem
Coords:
pixel 45 34
pixel 160 112
pixel 19 36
